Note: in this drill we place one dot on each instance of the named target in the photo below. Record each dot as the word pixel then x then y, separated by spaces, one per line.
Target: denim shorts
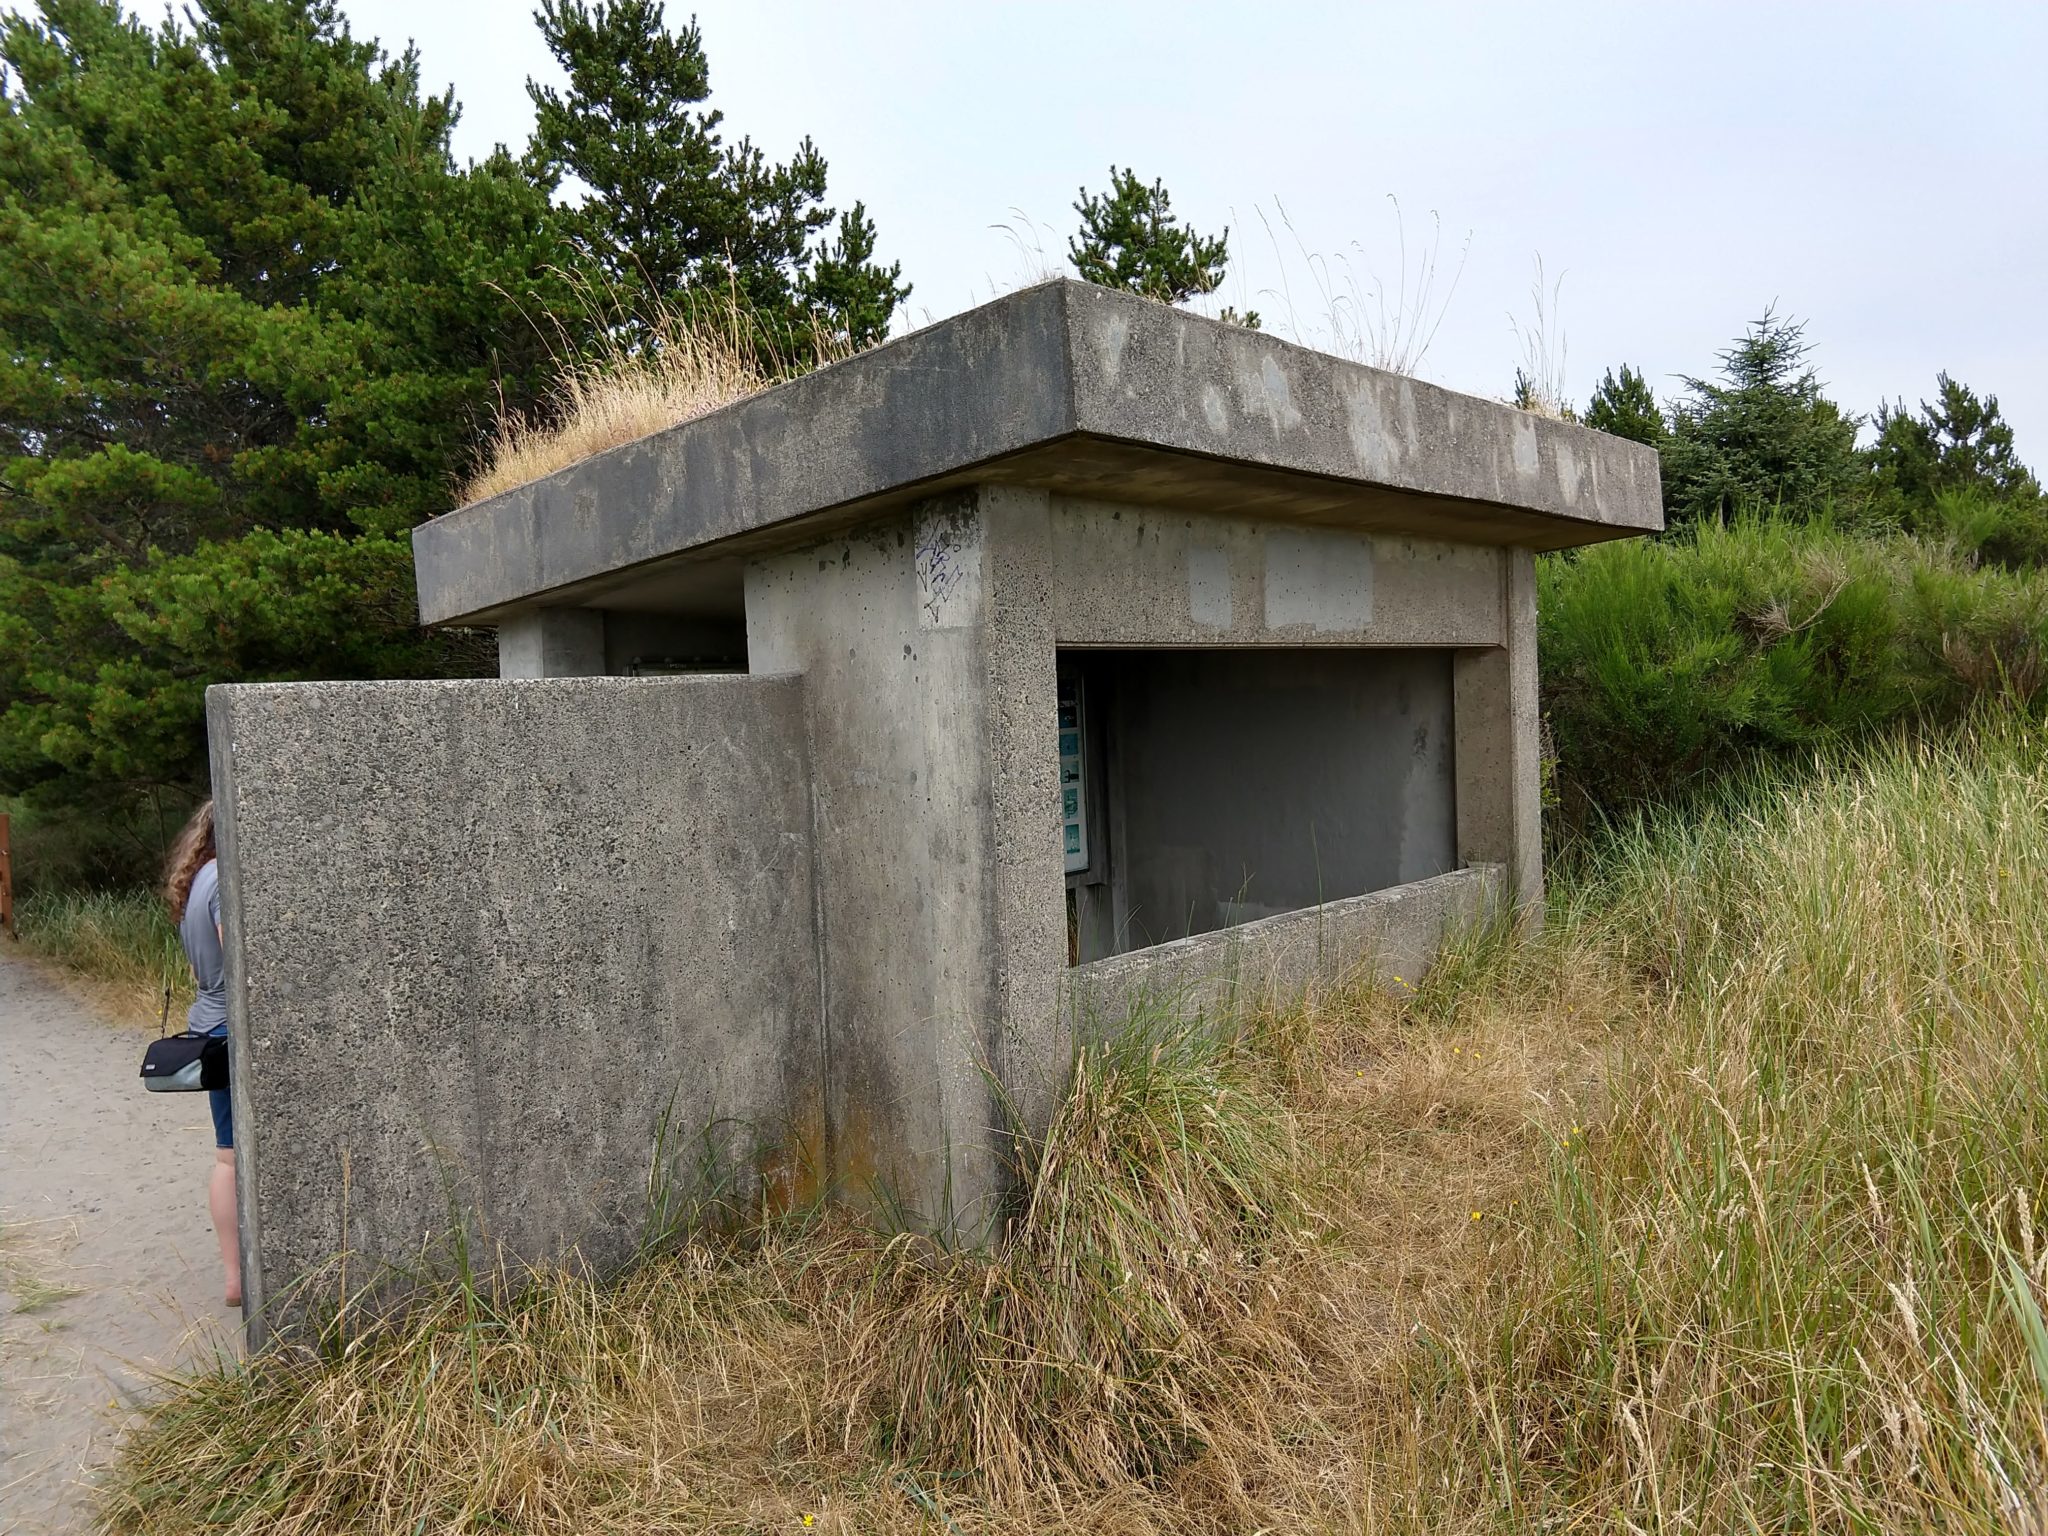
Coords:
pixel 223 1109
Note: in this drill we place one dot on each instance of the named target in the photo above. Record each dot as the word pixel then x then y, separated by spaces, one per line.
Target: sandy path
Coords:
pixel 103 1198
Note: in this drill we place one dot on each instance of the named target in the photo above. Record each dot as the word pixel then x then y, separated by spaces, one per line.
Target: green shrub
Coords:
pixel 2011 531
pixel 1667 663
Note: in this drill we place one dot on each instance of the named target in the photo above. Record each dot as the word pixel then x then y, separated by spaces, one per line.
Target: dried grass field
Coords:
pixel 1715 1206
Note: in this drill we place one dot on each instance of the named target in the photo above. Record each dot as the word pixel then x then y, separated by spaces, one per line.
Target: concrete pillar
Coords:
pixel 931 698
pixel 1500 743
pixel 552 642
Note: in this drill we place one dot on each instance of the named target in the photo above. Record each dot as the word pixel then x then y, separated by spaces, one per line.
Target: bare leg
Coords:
pixel 220 1198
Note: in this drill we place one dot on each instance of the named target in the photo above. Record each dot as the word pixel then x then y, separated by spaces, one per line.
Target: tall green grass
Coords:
pixel 1717 1206
pixel 1792 1279
pixel 121 940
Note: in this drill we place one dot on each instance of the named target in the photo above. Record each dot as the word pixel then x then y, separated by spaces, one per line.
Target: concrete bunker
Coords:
pixel 765 837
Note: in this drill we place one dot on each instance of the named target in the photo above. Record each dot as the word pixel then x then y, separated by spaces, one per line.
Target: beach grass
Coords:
pixel 1714 1206
pixel 118 944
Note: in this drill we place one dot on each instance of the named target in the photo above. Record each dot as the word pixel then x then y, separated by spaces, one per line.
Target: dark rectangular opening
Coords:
pixel 1203 789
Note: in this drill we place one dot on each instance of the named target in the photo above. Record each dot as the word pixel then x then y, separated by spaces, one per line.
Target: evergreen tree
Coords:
pixel 1956 443
pixel 1131 238
pixel 1764 435
pixel 252 320
pixel 1623 406
pixel 673 207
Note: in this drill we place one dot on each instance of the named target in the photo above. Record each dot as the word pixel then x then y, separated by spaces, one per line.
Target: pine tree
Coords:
pixel 1623 406
pixel 252 320
pixel 1130 238
pixel 1957 442
pixel 674 208
pixel 1764 436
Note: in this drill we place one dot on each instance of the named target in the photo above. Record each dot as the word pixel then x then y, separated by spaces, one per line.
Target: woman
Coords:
pixel 192 887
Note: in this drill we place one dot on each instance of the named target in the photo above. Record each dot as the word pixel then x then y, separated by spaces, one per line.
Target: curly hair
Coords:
pixel 188 854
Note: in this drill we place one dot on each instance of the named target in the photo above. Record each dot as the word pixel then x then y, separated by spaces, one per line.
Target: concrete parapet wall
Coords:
pixel 1126 575
pixel 1386 933
pixel 487 939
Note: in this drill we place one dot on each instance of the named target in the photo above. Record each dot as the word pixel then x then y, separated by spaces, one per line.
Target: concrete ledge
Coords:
pixel 1396 932
pixel 1065 387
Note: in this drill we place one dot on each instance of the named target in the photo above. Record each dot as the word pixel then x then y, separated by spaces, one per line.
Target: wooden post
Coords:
pixel 6 879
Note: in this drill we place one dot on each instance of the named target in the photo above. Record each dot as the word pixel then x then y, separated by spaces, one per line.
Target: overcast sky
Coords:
pixel 1879 171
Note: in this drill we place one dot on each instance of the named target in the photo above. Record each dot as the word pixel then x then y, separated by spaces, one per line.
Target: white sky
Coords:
pixel 1878 170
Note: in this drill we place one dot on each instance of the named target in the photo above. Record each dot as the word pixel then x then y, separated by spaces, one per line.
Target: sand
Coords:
pixel 109 1272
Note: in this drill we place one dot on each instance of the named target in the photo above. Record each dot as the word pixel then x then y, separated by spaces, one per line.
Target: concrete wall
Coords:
pixel 929 641
pixel 552 642
pixel 1376 936
pixel 1119 575
pixel 925 715
pixel 1094 574
pixel 1249 782
pixel 484 937
pixel 1500 743
pixel 595 642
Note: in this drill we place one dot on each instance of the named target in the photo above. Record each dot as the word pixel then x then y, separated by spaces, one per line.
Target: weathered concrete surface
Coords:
pixel 1500 743
pixel 596 642
pixel 925 715
pixel 1063 387
pixel 1385 933
pixel 552 642
pixel 487 939
pixel 1121 575
pixel 929 641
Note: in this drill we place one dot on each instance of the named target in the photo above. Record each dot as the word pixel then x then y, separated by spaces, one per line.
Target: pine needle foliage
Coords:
pixel 1131 238
pixel 1764 433
pixel 1623 405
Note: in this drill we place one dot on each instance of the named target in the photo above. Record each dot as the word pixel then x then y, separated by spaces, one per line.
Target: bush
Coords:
pixel 1667 663
pixel 1992 529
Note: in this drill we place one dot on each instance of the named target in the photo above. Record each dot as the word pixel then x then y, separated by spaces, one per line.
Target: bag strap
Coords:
pixel 163 1024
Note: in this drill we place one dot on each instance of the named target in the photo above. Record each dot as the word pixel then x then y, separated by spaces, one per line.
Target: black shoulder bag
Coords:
pixel 185 1062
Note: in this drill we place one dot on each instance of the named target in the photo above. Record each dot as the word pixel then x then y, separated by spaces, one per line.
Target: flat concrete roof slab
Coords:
pixel 1067 386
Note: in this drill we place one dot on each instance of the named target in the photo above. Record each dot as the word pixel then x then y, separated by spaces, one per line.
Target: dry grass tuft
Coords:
pixel 30 1251
pixel 688 363
pixel 1130 1310
pixel 1386 326
pixel 1718 1206
pixel 1539 377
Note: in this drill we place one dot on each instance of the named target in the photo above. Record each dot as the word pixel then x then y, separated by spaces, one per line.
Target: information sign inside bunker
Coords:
pixel 1073 790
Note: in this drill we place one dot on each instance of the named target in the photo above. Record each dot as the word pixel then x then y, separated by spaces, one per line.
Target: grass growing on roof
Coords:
pixel 685 358
pixel 1715 1207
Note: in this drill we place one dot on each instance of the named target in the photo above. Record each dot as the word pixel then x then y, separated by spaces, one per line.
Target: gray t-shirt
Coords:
pixel 199 932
